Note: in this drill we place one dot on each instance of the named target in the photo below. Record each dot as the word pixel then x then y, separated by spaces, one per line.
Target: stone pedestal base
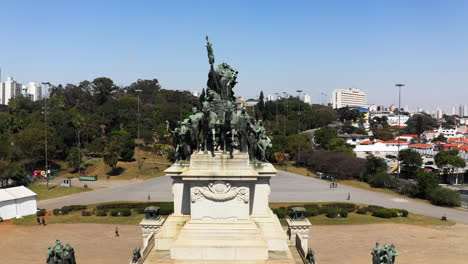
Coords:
pixel 298 229
pixel 149 227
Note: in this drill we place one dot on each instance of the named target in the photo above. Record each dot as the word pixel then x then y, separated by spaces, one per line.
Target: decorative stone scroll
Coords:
pixel 220 191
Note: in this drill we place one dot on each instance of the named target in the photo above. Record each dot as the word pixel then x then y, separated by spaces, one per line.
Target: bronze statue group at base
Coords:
pixel 220 125
pixel 59 254
pixel 384 255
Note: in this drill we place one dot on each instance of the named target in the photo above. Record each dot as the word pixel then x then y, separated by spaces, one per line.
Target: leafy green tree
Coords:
pixel 73 158
pixel 347 114
pixel 110 155
pixel 324 135
pixel 419 123
pixel 450 162
pixel 426 183
pixel 374 165
pixel 10 171
pixel 410 160
pixel 339 145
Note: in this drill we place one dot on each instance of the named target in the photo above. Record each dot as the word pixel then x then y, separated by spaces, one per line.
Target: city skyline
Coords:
pixel 315 47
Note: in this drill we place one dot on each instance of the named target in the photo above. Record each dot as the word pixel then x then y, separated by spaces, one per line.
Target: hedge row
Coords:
pixel 69 208
pixel 165 208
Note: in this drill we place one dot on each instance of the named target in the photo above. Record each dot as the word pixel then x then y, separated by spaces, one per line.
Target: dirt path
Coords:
pixel 415 244
pixel 93 243
pixel 96 244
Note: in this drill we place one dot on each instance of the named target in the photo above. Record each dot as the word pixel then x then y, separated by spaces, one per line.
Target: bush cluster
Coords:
pixel 390 213
pixel 335 212
pixel 69 208
pixel 444 197
pixel 165 208
pixel 86 213
pixel 101 213
pixel 280 212
pixel 121 212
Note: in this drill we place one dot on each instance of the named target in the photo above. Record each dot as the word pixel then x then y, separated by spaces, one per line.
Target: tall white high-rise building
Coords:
pixel 33 91
pixel 307 99
pixel 461 110
pixel 9 89
pixel 351 97
pixel 438 113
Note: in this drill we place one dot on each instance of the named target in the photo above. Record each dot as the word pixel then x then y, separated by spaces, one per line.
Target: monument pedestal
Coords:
pixel 221 214
pixel 149 227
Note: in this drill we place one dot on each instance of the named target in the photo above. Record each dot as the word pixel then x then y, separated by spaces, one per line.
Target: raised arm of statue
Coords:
pixel 209 48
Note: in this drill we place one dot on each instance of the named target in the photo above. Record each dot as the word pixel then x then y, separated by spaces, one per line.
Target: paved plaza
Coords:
pixel 286 187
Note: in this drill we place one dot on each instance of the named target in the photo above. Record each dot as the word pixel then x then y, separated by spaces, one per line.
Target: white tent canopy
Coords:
pixel 17 202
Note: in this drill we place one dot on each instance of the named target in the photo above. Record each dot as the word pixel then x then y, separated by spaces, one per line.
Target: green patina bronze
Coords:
pixel 59 254
pixel 220 125
pixel 384 255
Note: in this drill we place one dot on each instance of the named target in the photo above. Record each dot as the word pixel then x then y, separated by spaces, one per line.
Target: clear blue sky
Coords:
pixel 277 46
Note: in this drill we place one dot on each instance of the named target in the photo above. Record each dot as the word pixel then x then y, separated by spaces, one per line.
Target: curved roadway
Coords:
pixel 285 187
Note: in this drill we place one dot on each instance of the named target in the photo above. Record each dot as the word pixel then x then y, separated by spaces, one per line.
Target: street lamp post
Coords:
pixel 277 96
pixel 138 134
pixel 285 113
pixel 399 85
pixel 45 134
pixel 299 128
pixel 324 95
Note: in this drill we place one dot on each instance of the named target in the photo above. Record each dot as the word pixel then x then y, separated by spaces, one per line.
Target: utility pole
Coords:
pixel 324 95
pixel 45 133
pixel 399 85
pixel 299 129
pixel 138 134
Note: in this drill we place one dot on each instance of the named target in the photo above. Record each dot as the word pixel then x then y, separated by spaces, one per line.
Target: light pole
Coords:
pixel 399 85
pixel 285 113
pixel 277 97
pixel 299 129
pixel 138 134
pixel 45 133
pixel 324 95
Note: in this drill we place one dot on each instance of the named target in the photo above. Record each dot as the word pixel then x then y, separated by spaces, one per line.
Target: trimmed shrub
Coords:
pixel 41 212
pixel 444 197
pixel 373 208
pixel 344 213
pixel 125 212
pixel 349 207
pixel 312 206
pixel 312 212
pixel 382 213
pixel 165 208
pixel 86 213
pixel 70 208
pixel 333 212
pixel 280 212
pixel 101 213
pixel 362 210
pixel 114 212
pixel 59 212
pixel 404 212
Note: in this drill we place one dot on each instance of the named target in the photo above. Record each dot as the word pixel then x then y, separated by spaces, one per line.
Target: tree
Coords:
pixel 339 145
pixel 10 171
pixel 346 114
pixel 411 160
pixel 450 162
pixel 426 183
pixel 374 166
pixel 324 135
pixel 261 105
pixel 440 138
pixel 73 159
pixel 419 123
pixel 111 155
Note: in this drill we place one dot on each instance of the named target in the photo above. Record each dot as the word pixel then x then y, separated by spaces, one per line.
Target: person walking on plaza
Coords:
pixel 349 196
pixel 149 197
pixel 117 232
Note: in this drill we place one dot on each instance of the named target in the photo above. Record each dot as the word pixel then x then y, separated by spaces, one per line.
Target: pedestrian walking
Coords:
pixel 43 221
pixel 349 196
pixel 117 232
pixel 149 197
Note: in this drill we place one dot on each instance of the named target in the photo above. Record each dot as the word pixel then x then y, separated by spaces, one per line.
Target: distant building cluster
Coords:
pixel 11 89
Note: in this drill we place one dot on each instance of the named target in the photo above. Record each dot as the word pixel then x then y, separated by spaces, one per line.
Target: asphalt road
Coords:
pixel 286 187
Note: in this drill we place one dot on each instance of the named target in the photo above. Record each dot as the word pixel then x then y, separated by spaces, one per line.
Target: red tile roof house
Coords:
pixel 421 146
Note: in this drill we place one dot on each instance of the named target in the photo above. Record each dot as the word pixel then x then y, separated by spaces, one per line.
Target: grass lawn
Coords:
pixel 55 191
pixel 362 219
pixel 153 166
pixel 77 218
